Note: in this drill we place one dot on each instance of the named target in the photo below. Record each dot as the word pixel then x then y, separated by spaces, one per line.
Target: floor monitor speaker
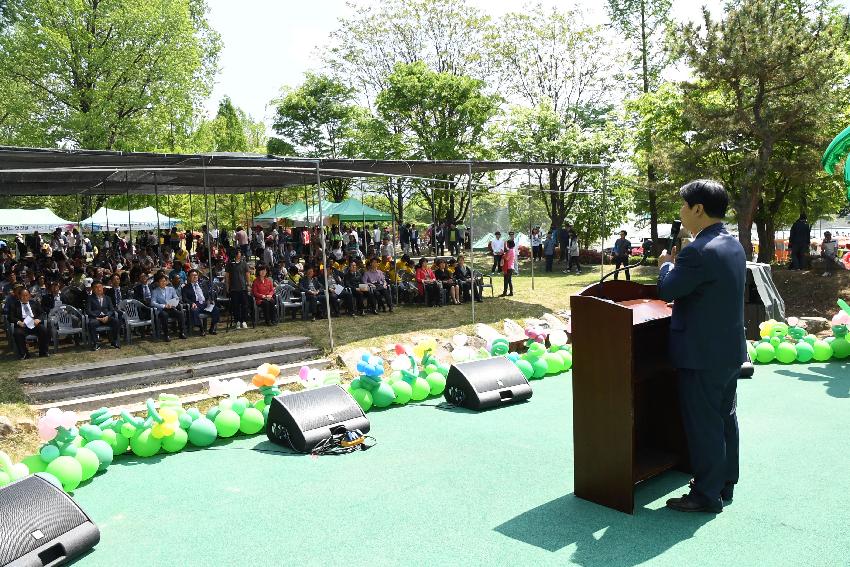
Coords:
pixel 40 525
pixel 303 419
pixel 488 383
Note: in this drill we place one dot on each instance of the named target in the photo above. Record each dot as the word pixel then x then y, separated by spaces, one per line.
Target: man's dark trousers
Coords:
pixel 708 400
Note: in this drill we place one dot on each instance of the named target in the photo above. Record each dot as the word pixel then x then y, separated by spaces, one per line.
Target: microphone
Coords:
pixel 675 229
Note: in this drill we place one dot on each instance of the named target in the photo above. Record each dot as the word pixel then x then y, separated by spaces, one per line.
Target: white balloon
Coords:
pixel 462 353
pixel 558 337
pixel 400 363
pixel 459 340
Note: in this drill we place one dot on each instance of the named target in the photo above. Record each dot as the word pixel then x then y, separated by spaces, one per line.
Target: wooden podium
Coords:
pixel 626 422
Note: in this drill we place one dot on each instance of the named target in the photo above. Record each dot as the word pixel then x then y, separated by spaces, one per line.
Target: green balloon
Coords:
pixel 89 461
pixel 805 351
pixel 202 432
pixel 840 348
pixel 437 382
pixel 535 350
pixel 822 350
pixel 810 339
pixel 383 395
pixel 213 412
pixel 251 422
pixel 227 423
pixel 68 470
pixel 35 464
pixel 145 444
pixel 103 451
pixel 751 351
pixel 567 357
pixel 765 353
pixel 525 367
pixel 175 442
pixel 403 392
pixel 260 405
pixel 4 479
pixel 540 368
pixel 239 405
pixel 554 363
pixel 420 389
pixel 786 353
pixel 355 384
pixel 362 396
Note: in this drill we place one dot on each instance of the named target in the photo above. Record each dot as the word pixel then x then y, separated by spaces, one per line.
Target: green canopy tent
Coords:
pixel 281 211
pixel 354 210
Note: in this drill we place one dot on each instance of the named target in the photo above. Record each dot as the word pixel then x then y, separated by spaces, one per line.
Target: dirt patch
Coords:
pixel 808 294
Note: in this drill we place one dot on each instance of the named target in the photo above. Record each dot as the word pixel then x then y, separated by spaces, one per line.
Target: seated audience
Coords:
pixel 427 283
pixel 443 276
pixel 378 291
pixel 312 288
pixel 166 302
pixel 464 277
pixel 101 312
pixel 199 297
pixel 263 292
pixel 27 318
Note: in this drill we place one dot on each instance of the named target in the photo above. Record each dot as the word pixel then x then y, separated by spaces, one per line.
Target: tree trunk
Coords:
pixel 745 207
pixel 400 195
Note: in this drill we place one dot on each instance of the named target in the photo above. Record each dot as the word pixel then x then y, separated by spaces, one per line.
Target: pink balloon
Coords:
pixel 841 318
pixel 46 432
pixel 304 373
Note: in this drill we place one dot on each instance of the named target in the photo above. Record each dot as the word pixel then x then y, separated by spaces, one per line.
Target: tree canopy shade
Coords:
pixel 27 171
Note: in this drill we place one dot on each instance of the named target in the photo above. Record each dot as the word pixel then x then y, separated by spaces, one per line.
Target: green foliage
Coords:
pixel 442 116
pixel 761 116
pixel 123 74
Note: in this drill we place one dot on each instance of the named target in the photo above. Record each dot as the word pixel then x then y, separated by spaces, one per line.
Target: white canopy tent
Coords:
pixel 135 219
pixel 14 221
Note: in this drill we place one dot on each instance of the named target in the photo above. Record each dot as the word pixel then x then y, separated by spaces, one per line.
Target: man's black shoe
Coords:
pixel 116 345
pixel 24 356
pixel 182 335
pixel 95 347
pixel 725 494
pixel 166 339
pixel 43 354
pixel 689 503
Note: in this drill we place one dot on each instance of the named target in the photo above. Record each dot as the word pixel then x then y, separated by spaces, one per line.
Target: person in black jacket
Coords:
pixel 313 293
pixel 463 276
pixel 142 291
pixel 799 241
pixel 345 295
pixel 53 297
pixel 116 292
pixel 24 313
pixel 199 297
pixel 101 311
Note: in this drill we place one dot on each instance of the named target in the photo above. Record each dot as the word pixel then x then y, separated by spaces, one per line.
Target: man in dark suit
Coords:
pixel 27 318
pixel 705 282
pixel 53 298
pixel 101 311
pixel 199 297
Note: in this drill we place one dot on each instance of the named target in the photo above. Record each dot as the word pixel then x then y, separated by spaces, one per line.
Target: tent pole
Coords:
pixel 530 228
pixel 393 259
pixel 129 218
pixel 604 204
pixel 363 211
pixel 207 215
pixel 158 228
pixel 324 257
pixel 306 206
pixel 473 286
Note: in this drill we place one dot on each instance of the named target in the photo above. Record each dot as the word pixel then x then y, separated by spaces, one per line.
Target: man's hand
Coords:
pixel 37 321
pixel 21 324
pixel 663 259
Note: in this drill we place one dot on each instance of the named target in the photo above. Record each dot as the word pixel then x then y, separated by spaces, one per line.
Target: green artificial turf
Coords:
pixel 451 487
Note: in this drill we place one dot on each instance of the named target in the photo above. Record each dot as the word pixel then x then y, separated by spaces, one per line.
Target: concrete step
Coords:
pixel 41 393
pixel 117 365
pixel 190 391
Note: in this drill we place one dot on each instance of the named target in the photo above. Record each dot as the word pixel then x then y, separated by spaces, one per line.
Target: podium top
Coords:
pixel 644 310
pixel 620 290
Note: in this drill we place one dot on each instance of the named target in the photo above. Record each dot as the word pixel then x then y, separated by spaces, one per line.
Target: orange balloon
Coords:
pixel 274 370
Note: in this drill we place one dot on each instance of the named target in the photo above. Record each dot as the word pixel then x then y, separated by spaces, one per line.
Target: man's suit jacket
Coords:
pixel 95 309
pixel 48 302
pixel 188 294
pixel 707 289
pixel 110 292
pixel 16 312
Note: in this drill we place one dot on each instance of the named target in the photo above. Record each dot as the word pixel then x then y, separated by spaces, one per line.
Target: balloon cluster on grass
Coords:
pixel 789 342
pixel 538 361
pixel 409 380
pixel 72 455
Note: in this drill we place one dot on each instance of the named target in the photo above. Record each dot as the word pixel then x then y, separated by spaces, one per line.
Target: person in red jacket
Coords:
pixel 263 291
pixel 507 268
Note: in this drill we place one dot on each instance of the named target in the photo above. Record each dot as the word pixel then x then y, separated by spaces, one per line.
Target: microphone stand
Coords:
pixel 640 262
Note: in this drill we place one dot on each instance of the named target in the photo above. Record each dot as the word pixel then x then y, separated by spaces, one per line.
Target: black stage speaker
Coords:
pixel 40 525
pixel 487 383
pixel 303 419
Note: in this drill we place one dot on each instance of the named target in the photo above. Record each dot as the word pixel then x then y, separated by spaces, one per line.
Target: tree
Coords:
pixel 317 120
pixel 767 77
pixel 446 35
pixel 563 71
pixel 444 118
pixel 109 74
pixel 645 23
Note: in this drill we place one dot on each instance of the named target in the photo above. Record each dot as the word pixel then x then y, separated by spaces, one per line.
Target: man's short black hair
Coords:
pixel 708 193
